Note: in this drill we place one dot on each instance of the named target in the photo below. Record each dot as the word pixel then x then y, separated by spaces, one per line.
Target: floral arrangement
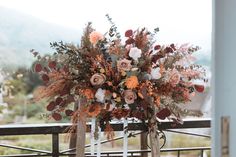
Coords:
pixel 114 79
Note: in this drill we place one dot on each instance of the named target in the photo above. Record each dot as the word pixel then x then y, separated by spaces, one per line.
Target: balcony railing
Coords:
pixel 56 129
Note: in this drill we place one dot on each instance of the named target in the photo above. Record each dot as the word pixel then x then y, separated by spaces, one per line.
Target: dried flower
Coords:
pixel 174 78
pixel 95 36
pixel 129 96
pixel 124 65
pixel 118 80
pixel 93 110
pixel 131 82
pixel 97 79
pixel 135 53
pixel 88 93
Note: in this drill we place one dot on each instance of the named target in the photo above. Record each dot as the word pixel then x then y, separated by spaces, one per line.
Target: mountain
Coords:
pixel 21 32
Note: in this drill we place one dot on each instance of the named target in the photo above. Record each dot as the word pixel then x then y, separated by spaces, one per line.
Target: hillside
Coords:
pixel 20 32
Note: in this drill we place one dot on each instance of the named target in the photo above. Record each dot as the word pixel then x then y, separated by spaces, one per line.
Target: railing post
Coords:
pixel 202 153
pixel 143 142
pixel 178 154
pixel 55 145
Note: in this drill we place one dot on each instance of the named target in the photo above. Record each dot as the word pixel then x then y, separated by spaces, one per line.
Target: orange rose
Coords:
pixel 94 37
pixel 131 82
pixel 88 93
pixel 93 110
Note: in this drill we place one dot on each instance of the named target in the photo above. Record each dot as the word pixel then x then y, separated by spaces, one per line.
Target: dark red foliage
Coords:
pixel 157 47
pixel 105 116
pixel 163 113
pixel 69 112
pixel 129 41
pixel 56 116
pixel 129 33
pixel 120 112
pixel 52 64
pixel 51 106
pixel 66 89
pixel 168 50
pixel 38 68
pixel 156 57
pixel 70 99
pixel 138 114
pixel 199 88
pixel 173 46
pixel 63 103
pixel 144 104
pixel 58 100
pixel 45 77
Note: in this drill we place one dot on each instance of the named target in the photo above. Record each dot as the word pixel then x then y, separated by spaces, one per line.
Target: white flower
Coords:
pixel 155 73
pixel 135 53
pixel 100 95
pixel 134 69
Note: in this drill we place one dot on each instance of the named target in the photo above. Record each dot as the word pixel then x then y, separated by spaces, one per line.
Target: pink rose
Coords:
pixel 97 79
pixel 94 37
pixel 124 65
pixel 129 96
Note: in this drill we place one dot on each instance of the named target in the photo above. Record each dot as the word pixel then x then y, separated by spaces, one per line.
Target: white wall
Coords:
pixel 224 56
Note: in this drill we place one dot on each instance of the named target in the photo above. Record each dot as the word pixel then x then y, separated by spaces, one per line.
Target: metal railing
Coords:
pixel 56 129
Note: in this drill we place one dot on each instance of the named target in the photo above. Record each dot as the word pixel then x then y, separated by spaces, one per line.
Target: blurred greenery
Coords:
pixel 19 87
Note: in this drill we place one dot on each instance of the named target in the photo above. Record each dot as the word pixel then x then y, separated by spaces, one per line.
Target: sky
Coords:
pixel 180 21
